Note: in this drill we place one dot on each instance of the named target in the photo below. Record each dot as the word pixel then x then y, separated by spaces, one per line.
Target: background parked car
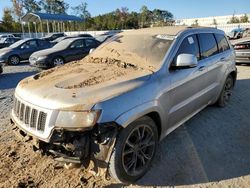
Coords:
pixel 84 35
pixel 246 33
pixel 65 51
pixel 6 35
pixel 103 38
pixel 5 42
pixel 70 36
pixel 242 50
pixel 235 33
pixel 54 42
pixel 53 36
pixel 21 50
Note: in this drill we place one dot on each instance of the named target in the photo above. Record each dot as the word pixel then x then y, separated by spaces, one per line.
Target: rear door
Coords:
pixel 89 44
pixel 212 60
pixel 43 44
pixel 187 84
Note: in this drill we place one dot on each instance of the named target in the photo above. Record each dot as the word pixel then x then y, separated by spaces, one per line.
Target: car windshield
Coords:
pixel 146 49
pixel 63 44
pixel 18 43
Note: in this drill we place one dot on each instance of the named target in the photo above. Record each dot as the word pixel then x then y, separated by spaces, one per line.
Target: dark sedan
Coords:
pixel 21 50
pixel 54 42
pixel 242 50
pixel 65 51
pixel 53 36
pixel 6 42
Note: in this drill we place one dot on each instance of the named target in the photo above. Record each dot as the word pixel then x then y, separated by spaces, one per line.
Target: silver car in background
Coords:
pixel 116 104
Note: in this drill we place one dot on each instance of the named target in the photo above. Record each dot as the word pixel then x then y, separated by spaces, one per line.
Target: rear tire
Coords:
pixel 226 92
pixel 134 150
pixel 14 60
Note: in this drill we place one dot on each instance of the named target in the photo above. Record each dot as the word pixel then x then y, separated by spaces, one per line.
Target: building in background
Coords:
pixel 208 21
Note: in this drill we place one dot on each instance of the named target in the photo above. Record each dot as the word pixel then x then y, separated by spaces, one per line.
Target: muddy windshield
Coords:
pixel 136 48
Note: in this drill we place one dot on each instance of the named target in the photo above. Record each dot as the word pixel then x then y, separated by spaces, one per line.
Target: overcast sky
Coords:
pixel 180 8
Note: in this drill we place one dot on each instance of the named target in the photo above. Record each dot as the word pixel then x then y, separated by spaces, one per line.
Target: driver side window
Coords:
pixel 189 46
pixel 29 44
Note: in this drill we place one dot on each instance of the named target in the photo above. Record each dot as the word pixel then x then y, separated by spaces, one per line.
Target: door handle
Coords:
pixel 202 68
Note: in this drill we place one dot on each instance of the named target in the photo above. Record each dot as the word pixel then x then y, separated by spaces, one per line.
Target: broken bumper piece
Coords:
pixel 76 146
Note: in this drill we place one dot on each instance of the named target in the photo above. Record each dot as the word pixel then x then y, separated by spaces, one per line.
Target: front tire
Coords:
pixel 134 150
pixel 57 61
pixel 14 60
pixel 226 93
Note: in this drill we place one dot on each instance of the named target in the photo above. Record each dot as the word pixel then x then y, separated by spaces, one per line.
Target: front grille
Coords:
pixel 31 117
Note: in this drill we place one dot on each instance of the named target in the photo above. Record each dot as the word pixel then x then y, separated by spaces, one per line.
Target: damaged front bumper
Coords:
pixel 75 146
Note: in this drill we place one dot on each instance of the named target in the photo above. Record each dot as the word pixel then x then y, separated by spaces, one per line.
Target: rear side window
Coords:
pixel 90 43
pixel 42 43
pixel 222 42
pixel 189 46
pixel 77 44
pixel 208 45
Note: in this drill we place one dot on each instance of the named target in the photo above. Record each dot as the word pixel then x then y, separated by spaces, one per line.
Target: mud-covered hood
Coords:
pixel 79 87
pixel 45 52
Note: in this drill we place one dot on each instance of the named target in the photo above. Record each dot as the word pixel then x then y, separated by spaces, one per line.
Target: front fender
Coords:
pixel 141 110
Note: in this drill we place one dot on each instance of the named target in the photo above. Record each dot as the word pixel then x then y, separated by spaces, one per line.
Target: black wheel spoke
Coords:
pixel 129 151
pixel 141 159
pixel 138 150
pixel 130 144
pixel 144 155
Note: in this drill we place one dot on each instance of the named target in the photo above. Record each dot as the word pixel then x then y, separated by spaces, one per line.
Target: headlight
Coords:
pixel 69 119
pixel 41 57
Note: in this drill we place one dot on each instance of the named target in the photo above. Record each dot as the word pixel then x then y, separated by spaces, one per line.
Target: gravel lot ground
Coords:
pixel 210 150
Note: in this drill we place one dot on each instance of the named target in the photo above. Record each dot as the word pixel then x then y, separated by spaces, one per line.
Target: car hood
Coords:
pixel 79 86
pixel 5 50
pixel 45 52
pixel 242 40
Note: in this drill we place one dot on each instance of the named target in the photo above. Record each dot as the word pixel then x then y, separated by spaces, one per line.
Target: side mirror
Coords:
pixel 186 60
pixel 91 50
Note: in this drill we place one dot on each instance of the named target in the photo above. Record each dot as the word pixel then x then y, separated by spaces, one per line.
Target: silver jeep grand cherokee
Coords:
pixel 115 105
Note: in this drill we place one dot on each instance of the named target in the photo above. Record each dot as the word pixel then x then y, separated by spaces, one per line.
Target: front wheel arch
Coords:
pixel 147 109
pixel 116 166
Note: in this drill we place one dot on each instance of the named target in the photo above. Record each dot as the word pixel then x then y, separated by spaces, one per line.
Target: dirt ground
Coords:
pixel 210 150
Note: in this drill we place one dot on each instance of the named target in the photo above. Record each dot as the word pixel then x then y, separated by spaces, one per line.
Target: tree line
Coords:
pixel 121 18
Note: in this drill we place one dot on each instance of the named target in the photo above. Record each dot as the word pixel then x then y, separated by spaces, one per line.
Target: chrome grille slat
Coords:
pixel 21 112
pixel 18 108
pixel 31 117
pixel 41 121
pixel 27 115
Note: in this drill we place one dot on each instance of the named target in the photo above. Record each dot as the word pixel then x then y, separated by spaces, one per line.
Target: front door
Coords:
pixel 187 84
pixel 28 48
